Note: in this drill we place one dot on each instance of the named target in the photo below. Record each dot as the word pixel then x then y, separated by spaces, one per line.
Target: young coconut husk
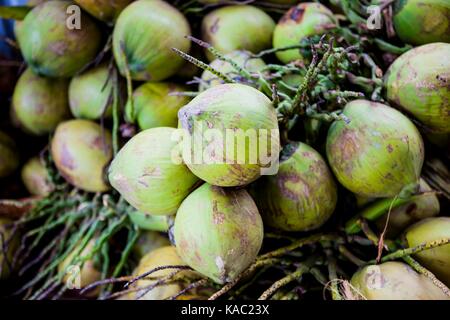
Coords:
pixel 157 182
pixel 302 21
pixel 302 195
pixel 104 10
pixel 50 47
pixel 35 177
pixel 156 104
pixel 149 241
pixel 225 109
pixel 395 281
pixel 422 21
pixel 81 150
pixel 218 232
pixel 239 27
pixel 39 104
pixel 421 89
pixel 376 156
pixel 143 38
pixel 90 94
pixel 437 260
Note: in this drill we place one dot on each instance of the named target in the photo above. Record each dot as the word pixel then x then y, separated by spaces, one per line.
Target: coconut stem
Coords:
pixel 203 65
pixel 124 57
pixel 300 243
pixel 244 274
pixel 416 266
pixel 350 256
pixel 373 212
pixel 193 285
pixel 399 254
pixel 284 281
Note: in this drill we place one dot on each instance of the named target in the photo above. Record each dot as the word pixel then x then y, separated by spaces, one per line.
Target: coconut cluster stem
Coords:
pixel 416 266
pixel 400 254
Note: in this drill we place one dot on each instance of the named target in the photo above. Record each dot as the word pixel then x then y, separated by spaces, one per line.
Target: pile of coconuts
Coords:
pixel 163 150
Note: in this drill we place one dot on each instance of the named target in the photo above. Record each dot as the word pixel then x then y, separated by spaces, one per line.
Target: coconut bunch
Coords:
pixel 139 194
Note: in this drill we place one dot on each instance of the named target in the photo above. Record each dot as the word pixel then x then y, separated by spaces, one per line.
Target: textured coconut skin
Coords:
pixel 39 104
pixel 164 256
pixel 35 178
pixel 154 106
pixel 149 241
pixel 9 157
pixel 154 184
pixel 422 89
pixel 226 106
pixel 104 10
pixel 89 272
pixel 422 21
pixel 420 207
pixel 395 281
pixel 50 48
pixel 302 195
pixel 149 222
pixel 241 57
pixel 218 232
pixel 437 260
pixel 304 20
pixel 149 30
pixel 239 27
pixel 81 150
pixel 89 94
pixel 376 155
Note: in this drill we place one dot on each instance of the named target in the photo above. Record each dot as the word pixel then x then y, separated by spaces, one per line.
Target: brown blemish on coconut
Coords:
pixel 390 148
pixel 58 47
pixel 215 26
pixel 66 158
pixel 283 179
pixel 296 13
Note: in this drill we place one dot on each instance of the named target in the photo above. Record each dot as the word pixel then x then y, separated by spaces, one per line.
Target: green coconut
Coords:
pixel 239 27
pixel 422 21
pixel 418 83
pixel 230 135
pixel 437 260
pixel 394 281
pixel 149 241
pixel 164 256
pixel 218 232
pixel 422 206
pixel 89 94
pixel 143 38
pixel 39 104
pixel 155 104
pixel 156 183
pixel 35 178
pixel 104 10
pixel 81 150
pixel 378 153
pixel 302 195
pixel 304 20
pixel 150 222
pixel 50 47
pixel 9 156
pixel 241 58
